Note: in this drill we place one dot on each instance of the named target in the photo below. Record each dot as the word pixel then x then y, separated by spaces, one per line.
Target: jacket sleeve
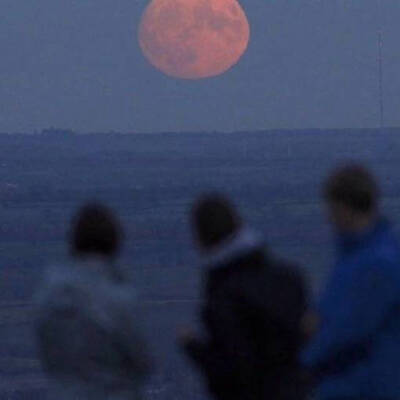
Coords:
pixel 353 309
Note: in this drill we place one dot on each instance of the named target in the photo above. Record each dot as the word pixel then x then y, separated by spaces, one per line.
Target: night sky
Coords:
pixel 77 64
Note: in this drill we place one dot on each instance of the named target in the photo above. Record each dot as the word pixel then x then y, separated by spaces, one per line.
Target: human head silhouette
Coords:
pixel 352 195
pixel 95 231
pixel 214 220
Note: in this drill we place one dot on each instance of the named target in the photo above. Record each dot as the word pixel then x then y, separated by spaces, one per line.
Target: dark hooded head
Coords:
pixel 214 220
pixel 95 231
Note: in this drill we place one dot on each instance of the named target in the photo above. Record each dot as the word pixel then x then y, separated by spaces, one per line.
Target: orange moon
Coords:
pixel 194 39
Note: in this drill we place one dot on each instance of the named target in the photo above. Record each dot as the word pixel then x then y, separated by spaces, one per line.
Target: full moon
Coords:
pixel 194 39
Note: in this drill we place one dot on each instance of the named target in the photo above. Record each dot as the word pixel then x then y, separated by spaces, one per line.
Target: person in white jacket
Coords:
pixel 87 334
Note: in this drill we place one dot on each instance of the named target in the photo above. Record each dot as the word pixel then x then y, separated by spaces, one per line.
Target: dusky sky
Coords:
pixel 77 64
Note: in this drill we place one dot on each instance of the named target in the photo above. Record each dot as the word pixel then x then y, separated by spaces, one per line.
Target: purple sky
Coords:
pixel 310 64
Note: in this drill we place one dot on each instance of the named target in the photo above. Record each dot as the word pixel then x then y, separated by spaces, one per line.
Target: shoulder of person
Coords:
pixel 57 279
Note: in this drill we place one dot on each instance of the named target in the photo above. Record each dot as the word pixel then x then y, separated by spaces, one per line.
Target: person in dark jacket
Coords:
pixel 87 334
pixel 252 311
pixel 355 353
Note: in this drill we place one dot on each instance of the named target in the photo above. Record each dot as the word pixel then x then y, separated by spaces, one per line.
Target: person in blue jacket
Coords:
pixel 355 351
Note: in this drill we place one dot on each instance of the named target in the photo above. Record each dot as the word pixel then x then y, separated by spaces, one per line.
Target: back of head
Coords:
pixel 95 231
pixel 214 220
pixel 354 187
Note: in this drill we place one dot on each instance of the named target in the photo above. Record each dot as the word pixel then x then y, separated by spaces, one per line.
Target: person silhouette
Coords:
pixel 355 351
pixel 87 334
pixel 252 312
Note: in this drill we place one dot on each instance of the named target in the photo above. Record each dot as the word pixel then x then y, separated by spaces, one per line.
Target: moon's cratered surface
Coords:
pixel 194 39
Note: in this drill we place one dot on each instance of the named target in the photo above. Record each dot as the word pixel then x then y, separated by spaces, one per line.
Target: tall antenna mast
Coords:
pixel 380 66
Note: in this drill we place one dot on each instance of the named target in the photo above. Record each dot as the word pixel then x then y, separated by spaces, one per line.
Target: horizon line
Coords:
pixel 67 132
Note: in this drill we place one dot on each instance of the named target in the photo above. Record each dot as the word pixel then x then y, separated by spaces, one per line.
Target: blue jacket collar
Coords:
pixel 348 242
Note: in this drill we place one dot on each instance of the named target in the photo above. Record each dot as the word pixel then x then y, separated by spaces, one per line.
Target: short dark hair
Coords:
pixel 214 220
pixel 353 186
pixel 95 230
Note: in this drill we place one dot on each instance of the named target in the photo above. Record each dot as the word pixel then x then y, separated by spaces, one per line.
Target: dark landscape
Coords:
pixel 151 181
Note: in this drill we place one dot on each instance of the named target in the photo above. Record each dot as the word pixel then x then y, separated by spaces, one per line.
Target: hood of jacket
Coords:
pixel 238 245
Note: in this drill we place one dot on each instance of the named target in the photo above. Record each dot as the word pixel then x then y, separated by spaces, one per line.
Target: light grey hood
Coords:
pixel 241 243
